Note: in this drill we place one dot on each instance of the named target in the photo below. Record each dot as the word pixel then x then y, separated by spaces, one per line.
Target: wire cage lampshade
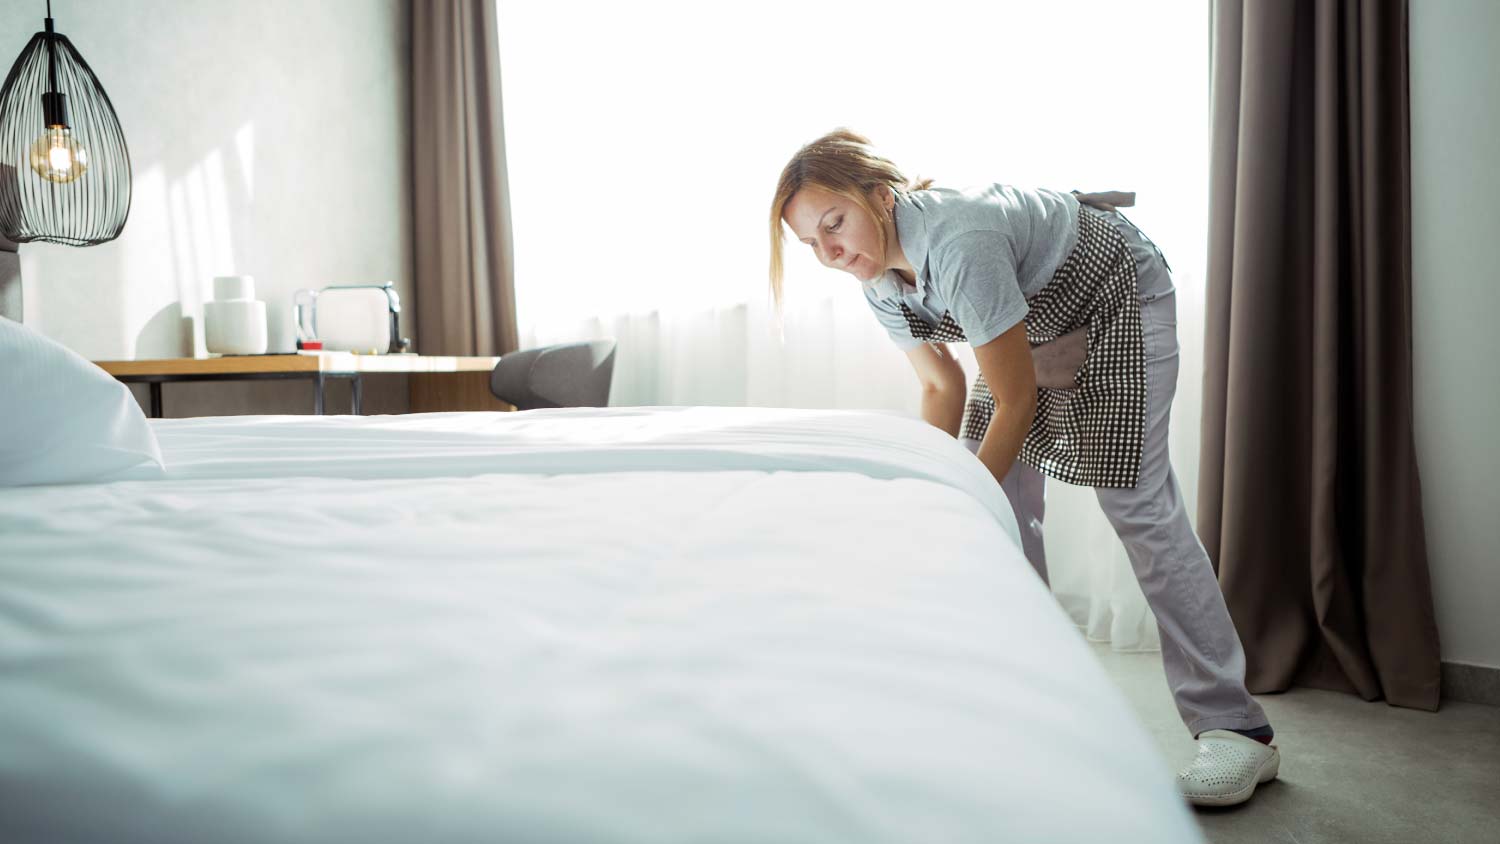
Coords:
pixel 64 168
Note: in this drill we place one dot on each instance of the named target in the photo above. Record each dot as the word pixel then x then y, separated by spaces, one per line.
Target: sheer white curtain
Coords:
pixel 644 142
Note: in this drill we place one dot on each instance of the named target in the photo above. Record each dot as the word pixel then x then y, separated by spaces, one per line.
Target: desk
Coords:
pixel 436 383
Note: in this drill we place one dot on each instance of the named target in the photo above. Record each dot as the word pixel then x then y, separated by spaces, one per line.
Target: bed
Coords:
pixel 612 625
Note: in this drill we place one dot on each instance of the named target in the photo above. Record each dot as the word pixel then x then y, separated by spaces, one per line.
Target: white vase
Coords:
pixel 235 322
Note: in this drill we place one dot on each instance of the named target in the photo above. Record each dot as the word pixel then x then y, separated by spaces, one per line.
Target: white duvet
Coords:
pixel 663 625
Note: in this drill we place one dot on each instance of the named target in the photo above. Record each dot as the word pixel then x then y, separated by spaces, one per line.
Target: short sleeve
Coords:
pixel 888 312
pixel 976 275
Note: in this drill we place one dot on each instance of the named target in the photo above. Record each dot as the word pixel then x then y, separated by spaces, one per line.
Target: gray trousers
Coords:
pixel 1204 660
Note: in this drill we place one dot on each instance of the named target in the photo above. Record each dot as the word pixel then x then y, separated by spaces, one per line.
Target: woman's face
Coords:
pixel 840 232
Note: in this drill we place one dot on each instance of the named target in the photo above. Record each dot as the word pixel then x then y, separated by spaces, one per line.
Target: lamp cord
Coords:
pixel 51 53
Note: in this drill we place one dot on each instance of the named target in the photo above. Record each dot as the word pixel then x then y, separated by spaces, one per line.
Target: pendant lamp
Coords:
pixel 64 168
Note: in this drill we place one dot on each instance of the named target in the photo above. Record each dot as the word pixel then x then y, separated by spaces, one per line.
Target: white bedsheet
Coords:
pixel 583 440
pixel 613 626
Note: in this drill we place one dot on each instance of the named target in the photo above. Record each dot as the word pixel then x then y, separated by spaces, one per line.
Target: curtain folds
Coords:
pixel 1309 496
pixel 464 277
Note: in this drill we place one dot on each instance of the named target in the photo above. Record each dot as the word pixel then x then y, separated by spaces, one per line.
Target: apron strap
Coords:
pixel 1109 199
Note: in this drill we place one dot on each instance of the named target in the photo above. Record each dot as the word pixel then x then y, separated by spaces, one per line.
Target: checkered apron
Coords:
pixel 1090 436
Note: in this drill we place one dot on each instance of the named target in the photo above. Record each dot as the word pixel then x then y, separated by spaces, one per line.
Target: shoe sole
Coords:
pixel 1267 772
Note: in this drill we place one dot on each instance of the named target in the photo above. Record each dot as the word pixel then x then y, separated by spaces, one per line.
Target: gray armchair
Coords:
pixel 565 375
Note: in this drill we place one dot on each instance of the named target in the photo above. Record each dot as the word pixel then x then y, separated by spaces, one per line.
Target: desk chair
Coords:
pixel 565 375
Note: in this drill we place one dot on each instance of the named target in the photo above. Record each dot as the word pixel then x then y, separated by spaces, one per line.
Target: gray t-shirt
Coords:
pixel 978 254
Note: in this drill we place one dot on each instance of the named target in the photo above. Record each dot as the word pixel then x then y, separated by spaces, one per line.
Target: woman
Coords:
pixel 1019 275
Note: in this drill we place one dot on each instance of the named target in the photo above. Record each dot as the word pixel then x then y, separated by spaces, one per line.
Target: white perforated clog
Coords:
pixel 1227 769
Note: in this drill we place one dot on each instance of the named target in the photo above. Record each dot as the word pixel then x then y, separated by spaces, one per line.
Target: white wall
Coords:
pixel 1455 134
pixel 267 138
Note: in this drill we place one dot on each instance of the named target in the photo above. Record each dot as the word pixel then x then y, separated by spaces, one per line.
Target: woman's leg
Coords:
pixel 1027 490
pixel 1205 663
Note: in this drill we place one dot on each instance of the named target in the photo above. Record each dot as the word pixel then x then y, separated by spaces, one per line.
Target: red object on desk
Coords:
pixel 310 345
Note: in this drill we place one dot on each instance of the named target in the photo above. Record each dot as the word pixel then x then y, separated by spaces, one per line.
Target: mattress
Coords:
pixel 617 625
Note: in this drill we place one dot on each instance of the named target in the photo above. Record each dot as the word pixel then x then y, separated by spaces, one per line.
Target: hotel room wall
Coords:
pixel 1455 94
pixel 268 139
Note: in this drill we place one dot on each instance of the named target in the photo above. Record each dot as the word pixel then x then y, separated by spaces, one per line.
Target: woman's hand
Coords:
pixel 1005 362
pixel 943 389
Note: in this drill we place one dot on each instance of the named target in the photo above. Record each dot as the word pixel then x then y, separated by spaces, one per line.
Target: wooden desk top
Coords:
pixel 311 362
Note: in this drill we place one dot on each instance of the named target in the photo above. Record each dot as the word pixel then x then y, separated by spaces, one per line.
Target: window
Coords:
pixel 644 139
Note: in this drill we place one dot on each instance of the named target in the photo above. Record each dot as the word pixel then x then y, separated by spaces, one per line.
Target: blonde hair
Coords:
pixel 841 162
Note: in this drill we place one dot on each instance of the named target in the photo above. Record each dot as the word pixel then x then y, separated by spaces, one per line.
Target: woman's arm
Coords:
pixel 943 390
pixel 1005 362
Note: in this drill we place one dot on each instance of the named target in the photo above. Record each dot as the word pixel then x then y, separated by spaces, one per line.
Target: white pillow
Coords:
pixel 63 419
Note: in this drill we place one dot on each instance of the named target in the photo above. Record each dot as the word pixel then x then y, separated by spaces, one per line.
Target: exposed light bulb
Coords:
pixel 57 157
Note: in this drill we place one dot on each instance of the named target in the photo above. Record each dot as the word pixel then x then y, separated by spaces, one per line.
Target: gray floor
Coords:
pixel 1351 771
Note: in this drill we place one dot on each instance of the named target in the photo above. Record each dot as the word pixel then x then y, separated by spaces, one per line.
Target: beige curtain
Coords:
pixel 465 271
pixel 1309 499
